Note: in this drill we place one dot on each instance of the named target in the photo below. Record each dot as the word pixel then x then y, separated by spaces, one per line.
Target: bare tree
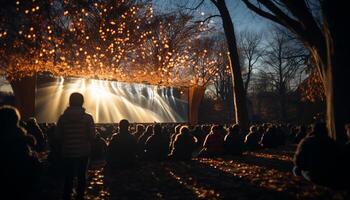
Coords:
pixel 240 103
pixel 283 60
pixel 250 47
pixel 322 27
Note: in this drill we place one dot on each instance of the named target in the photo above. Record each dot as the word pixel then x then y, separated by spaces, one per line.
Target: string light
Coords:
pixel 116 48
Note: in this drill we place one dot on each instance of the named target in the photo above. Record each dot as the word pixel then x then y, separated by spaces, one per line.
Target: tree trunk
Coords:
pixel 241 112
pixel 24 92
pixel 195 96
pixel 336 77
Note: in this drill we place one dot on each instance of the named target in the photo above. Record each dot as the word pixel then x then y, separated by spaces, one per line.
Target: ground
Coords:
pixel 265 174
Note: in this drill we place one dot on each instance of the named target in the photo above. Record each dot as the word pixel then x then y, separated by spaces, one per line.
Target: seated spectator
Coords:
pixel 33 129
pixel 199 134
pixel 99 148
pixel 315 157
pixel 270 138
pixel 121 151
pixel 142 140
pixel 156 147
pixel 301 133
pixel 20 166
pixel 183 145
pixel 252 139
pixel 214 142
pixel 173 135
pixel 139 130
pixel 281 135
pixel 233 141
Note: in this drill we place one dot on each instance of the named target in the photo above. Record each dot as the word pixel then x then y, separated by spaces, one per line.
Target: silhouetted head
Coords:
pixel 9 116
pixel 140 128
pixel 184 130
pixel 177 128
pixel 157 129
pixel 234 129
pixel 123 125
pixel 217 129
pixel 149 129
pixel 320 129
pixel 76 99
pixel 253 128
pixel 31 122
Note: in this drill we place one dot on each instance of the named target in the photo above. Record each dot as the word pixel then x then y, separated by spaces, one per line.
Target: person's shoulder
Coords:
pixel 88 116
pixel 308 141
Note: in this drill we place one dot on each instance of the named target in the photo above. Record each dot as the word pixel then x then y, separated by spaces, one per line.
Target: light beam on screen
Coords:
pixel 109 102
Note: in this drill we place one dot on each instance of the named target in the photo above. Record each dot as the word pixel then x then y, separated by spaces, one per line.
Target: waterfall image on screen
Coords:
pixel 111 101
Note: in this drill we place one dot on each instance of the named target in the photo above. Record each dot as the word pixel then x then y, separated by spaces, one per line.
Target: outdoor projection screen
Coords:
pixel 111 101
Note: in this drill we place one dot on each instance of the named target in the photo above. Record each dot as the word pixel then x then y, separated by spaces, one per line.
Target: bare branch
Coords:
pixel 208 18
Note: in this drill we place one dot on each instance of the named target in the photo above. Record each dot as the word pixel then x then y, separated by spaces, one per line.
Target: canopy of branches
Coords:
pixel 108 39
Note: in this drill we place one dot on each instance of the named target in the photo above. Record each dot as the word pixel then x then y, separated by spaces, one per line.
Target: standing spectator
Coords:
pixel 75 132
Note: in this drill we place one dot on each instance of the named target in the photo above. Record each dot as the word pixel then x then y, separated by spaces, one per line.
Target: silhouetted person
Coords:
pixel 270 138
pixel 253 138
pixel 142 140
pixel 20 167
pixel 199 134
pixel 33 129
pixel 233 142
pixel 156 147
pixel 139 130
pixel 99 148
pixel 121 153
pixel 281 135
pixel 315 157
pixel 173 136
pixel 214 142
pixel 301 133
pixel 184 145
pixel 75 132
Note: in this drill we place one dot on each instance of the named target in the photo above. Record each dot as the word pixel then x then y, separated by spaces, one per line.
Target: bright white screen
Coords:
pixel 110 101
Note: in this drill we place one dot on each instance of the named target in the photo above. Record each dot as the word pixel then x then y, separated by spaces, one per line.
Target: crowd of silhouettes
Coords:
pixel 75 140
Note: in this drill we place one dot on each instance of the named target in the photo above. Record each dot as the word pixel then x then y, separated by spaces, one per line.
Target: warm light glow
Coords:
pixel 111 101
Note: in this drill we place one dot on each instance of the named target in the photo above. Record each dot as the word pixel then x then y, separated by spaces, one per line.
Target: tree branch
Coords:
pixel 208 18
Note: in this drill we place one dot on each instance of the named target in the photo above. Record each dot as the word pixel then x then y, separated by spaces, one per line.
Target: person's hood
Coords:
pixel 74 113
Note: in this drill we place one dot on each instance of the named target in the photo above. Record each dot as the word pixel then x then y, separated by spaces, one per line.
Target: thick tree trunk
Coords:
pixel 337 74
pixel 195 96
pixel 241 112
pixel 24 92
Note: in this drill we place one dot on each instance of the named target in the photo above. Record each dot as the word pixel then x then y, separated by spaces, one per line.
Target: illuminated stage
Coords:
pixel 110 101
